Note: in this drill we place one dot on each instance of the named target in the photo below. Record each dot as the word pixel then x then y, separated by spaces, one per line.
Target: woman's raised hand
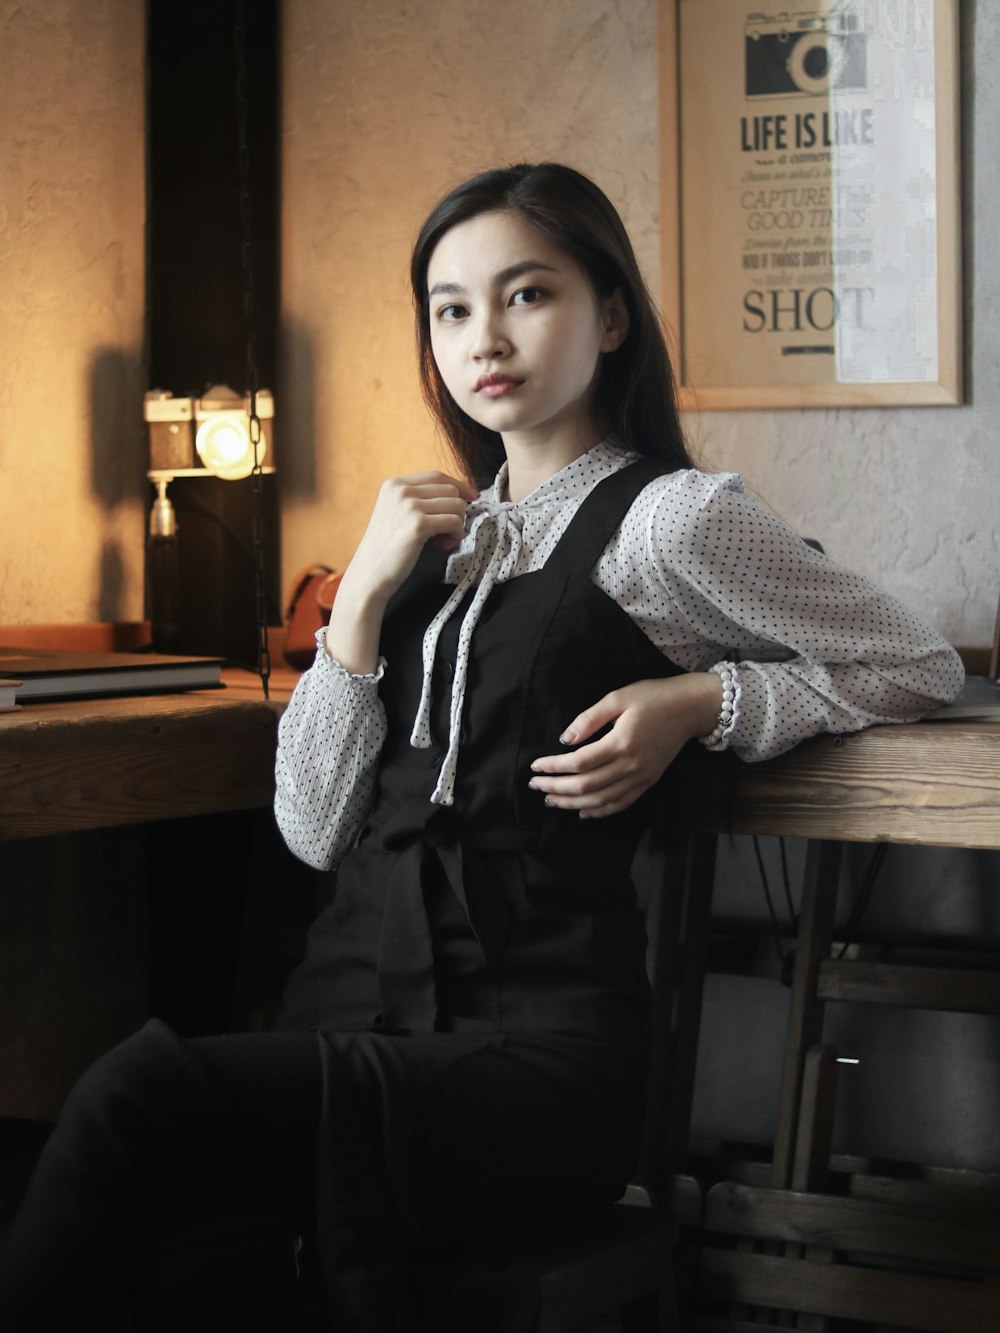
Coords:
pixel 409 511
pixel 650 721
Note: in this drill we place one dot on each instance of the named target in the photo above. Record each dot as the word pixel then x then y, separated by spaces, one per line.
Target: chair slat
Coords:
pixel 960 990
pixel 926 1304
pixel 958 1236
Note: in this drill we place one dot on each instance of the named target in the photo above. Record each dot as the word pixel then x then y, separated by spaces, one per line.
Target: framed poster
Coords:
pixel 810 204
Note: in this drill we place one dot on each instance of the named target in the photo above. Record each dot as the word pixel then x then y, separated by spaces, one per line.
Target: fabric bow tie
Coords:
pixel 493 543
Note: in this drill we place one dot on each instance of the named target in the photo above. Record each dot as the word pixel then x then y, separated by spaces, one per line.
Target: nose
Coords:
pixel 489 342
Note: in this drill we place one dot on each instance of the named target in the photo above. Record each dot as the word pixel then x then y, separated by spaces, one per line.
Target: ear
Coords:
pixel 615 320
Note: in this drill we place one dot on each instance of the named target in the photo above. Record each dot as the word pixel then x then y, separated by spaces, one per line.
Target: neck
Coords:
pixel 530 465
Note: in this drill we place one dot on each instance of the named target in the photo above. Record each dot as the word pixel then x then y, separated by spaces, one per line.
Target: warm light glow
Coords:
pixel 223 445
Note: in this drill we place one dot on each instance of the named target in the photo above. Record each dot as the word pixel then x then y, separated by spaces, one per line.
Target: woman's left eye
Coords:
pixel 527 296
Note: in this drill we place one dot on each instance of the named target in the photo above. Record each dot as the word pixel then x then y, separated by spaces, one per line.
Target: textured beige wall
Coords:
pixel 71 310
pixel 387 104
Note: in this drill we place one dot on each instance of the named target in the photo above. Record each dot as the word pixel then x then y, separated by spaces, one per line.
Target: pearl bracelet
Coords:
pixel 719 738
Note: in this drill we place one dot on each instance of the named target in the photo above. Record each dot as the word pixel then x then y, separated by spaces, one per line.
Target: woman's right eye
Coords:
pixel 449 313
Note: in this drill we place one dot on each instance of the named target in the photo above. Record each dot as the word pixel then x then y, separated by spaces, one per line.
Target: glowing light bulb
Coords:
pixel 224 447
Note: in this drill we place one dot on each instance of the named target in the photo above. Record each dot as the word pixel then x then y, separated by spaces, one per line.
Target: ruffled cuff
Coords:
pixel 327 663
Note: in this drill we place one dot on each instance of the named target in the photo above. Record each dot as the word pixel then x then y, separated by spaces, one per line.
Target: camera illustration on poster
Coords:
pixel 808 199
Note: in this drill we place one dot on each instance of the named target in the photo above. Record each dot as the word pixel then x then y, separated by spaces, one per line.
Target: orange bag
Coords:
pixel 309 607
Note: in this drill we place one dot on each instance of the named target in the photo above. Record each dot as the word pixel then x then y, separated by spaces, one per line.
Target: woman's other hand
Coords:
pixel 650 721
pixel 409 511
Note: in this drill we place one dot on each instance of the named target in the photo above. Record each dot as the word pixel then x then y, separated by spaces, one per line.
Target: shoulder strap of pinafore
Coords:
pixel 599 517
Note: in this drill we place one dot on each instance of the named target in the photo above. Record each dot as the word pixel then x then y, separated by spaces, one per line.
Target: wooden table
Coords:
pixel 99 763
pixel 930 783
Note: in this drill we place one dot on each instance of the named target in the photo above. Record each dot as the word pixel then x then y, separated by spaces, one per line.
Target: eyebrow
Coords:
pixel 499 279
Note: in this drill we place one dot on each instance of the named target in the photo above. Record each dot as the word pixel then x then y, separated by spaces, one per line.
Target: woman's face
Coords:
pixel 517 331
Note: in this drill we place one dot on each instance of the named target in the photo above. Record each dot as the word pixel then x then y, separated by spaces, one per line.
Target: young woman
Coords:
pixel 506 677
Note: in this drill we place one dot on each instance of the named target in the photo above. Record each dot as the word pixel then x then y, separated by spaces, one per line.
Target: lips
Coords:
pixel 495 386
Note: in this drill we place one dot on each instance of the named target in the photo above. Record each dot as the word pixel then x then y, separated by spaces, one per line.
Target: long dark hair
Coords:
pixel 636 395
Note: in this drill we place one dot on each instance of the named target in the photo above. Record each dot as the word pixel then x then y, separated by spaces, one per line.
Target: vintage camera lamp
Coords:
pixel 191 436
pixel 210 436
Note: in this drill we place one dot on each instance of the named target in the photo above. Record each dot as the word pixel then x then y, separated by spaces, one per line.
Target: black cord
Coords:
pixel 850 926
pixel 863 898
pixel 785 880
pixel 765 885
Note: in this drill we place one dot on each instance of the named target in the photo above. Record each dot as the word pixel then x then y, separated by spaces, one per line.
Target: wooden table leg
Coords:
pixel 805 1019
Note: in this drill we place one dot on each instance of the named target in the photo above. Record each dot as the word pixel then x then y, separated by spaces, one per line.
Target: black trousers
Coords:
pixel 156 1138
pixel 181 1175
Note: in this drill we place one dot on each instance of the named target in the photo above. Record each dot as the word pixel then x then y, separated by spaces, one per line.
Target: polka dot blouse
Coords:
pixel 709 575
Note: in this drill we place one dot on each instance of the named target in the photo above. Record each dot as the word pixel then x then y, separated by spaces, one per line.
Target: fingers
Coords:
pixel 596 780
pixel 434 478
pixel 585 769
pixel 588 757
pixel 647 725
pixel 593 797
pixel 412 510
pixel 592 719
pixel 409 511
pixel 428 504
pixel 586 724
pixel 428 485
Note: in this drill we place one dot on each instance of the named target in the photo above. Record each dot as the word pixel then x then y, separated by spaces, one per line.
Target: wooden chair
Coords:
pixel 624 1266
pixel 808 1239
pixel 897 1254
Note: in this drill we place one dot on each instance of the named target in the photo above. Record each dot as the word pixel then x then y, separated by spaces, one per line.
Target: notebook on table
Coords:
pixel 50 673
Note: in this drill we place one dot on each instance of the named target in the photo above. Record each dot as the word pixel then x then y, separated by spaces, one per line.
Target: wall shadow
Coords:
pixel 295 411
pixel 117 430
pixel 117 438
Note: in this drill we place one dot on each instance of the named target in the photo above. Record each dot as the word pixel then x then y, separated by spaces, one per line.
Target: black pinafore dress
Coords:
pixel 478 982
